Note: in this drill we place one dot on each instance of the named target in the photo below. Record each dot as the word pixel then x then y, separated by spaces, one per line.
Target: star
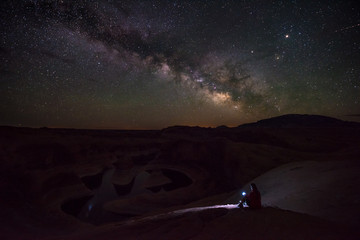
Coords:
pixel 152 64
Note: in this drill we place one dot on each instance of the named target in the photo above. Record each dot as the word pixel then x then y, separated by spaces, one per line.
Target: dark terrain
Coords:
pixel 109 184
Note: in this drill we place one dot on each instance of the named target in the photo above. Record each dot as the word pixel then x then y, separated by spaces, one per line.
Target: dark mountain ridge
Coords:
pixel 302 120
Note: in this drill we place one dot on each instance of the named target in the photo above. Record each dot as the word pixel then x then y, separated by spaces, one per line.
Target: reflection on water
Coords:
pixel 138 187
pixel 93 211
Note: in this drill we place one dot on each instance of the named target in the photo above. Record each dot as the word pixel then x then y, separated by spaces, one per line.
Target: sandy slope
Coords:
pixel 225 223
pixel 325 189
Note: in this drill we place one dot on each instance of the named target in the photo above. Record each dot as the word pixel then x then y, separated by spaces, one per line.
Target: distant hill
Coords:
pixel 302 120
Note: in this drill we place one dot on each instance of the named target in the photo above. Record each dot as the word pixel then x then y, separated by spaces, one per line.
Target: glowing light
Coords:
pixel 165 69
pixel 220 97
pixel 287 36
pixel 183 211
pixel 243 193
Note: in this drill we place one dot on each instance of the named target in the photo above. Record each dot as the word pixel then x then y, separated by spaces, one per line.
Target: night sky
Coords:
pixel 152 64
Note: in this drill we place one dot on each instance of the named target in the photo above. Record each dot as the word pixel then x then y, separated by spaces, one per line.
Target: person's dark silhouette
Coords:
pixel 253 200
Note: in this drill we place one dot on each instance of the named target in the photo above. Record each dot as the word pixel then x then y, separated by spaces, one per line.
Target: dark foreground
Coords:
pixel 94 184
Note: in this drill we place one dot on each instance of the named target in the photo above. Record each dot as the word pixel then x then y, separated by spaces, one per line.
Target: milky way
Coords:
pixel 152 64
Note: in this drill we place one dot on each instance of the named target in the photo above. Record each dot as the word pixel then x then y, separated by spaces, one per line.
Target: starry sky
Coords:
pixel 130 64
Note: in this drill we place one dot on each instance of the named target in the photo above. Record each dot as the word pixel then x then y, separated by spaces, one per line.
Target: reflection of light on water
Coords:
pixel 106 192
pixel 93 210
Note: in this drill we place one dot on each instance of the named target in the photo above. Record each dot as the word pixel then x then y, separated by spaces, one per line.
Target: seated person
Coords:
pixel 253 200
